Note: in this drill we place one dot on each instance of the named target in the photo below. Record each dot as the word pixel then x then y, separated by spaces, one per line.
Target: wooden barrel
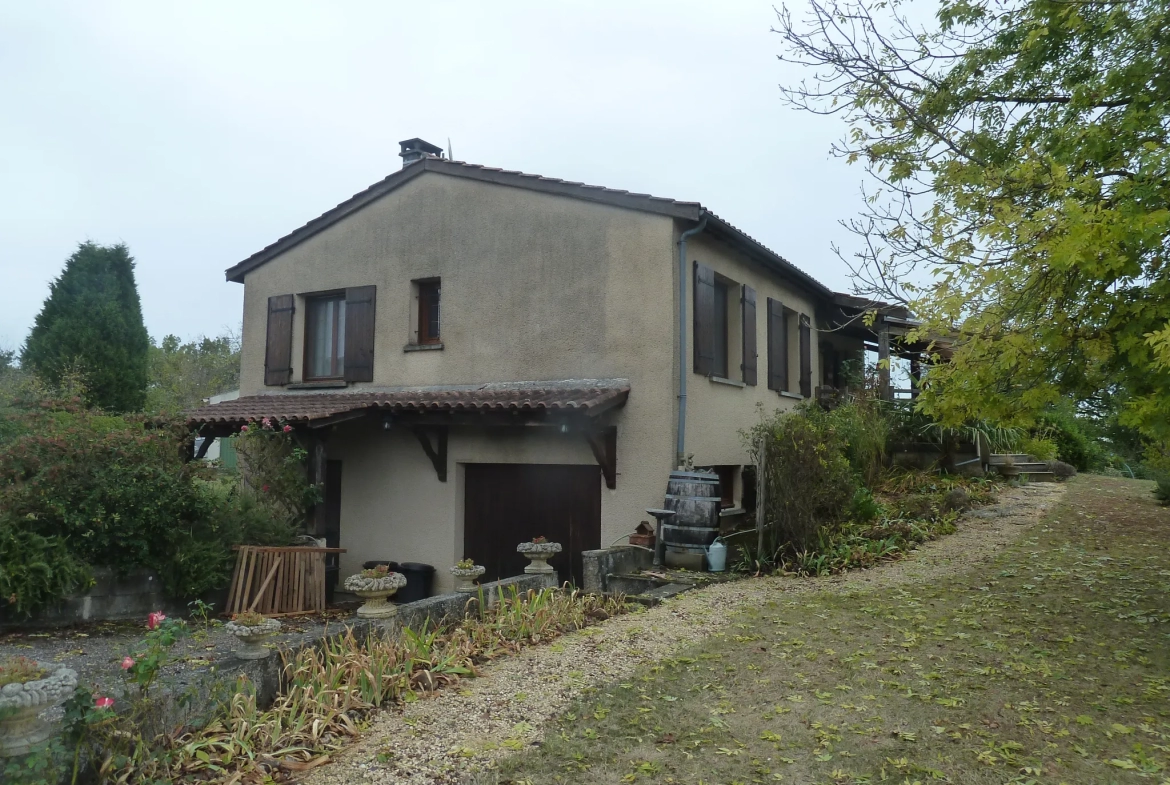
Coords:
pixel 694 496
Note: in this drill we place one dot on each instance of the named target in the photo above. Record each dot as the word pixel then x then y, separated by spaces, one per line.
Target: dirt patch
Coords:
pixel 509 709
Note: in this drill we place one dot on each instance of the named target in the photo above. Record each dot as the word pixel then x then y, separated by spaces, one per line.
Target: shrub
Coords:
pixel 809 482
pixel 1061 469
pixel 1162 488
pixel 1039 448
pixel 85 489
pixel 864 429
pixel 864 507
pixel 36 571
pixel 1073 443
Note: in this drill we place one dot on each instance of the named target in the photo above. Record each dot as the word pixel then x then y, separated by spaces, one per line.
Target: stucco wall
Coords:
pixel 394 507
pixel 716 412
pixel 534 287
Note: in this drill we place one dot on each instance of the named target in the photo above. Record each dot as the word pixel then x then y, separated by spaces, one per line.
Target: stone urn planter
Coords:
pixel 252 634
pixel 375 587
pixel 22 702
pixel 467 576
pixel 539 551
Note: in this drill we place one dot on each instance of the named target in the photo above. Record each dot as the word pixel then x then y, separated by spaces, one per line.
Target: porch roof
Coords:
pixel 588 397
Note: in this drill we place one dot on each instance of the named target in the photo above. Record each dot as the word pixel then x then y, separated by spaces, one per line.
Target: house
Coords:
pixel 474 357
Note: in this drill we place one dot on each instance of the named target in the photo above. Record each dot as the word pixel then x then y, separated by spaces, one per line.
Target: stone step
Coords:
pixel 656 595
pixel 1031 467
pixel 632 583
pixel 996 458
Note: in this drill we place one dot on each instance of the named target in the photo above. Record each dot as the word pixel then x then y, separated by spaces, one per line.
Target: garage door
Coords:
pixel 506 504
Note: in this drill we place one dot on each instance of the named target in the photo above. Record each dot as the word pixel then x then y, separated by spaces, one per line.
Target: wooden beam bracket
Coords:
pixel 436 452
pixel 603 443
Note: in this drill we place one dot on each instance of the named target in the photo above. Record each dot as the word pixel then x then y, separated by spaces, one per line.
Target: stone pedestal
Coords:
pixel 376 605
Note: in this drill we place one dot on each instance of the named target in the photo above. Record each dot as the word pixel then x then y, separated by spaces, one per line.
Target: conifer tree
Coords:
pixel 92 323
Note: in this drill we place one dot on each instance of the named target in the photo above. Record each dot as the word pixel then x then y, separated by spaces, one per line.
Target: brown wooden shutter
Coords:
pixel 704 319
pixel 278 343
pixel 777 346
pixel 360 302
pixel 749 335
pixel 805 357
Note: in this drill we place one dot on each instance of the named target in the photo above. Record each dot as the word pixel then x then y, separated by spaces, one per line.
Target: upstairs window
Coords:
pixel 428 311
pixel 325 337
pixel 719 327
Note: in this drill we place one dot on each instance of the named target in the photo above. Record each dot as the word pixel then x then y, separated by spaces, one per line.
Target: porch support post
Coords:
pixel 603 443
pixel 317 461
pixel 884 390
pixel 915 375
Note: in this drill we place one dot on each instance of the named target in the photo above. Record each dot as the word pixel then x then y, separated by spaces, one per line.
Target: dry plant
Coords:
pixel 330 689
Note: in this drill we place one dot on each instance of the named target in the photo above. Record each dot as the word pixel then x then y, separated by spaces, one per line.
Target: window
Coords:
pixel 719 366
pixel 325 337
pixel 428 312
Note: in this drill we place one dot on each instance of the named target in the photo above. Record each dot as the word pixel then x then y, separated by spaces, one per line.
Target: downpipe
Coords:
pixel 681 446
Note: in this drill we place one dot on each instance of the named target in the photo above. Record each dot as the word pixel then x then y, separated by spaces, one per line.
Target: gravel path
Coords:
pixel 459 731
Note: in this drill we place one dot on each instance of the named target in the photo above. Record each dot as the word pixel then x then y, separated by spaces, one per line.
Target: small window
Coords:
pixel 719 368
pixel 428 312
pixel 325 337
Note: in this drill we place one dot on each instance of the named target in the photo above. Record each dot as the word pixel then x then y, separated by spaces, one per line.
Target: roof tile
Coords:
pixel 589 396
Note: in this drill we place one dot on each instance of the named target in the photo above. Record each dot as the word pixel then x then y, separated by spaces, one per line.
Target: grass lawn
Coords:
pixel 1050 664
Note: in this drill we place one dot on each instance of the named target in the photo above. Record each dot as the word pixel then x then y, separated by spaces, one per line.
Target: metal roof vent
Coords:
pixel 416 150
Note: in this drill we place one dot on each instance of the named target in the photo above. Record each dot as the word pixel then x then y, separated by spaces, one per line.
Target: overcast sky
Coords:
pixel 197 133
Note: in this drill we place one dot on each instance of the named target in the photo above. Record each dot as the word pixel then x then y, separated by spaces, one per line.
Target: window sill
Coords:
pixel 327 384
pixel 786 394
pixel 732 511
pixel 422 347
pixel 728 382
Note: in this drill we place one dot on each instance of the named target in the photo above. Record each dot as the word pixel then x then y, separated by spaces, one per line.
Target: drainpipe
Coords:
pixel 681 447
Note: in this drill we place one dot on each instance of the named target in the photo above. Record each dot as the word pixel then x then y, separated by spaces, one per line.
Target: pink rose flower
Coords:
pixel 287 428
pixel 264 488
pixel 267 423
pixel 127 663
pixel 154 619
pixel 102 702
pixel 243 429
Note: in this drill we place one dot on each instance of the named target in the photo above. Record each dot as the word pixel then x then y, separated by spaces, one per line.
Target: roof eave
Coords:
pixel 765 255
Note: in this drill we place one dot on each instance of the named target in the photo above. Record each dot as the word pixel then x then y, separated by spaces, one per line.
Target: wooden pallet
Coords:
pixel 278 581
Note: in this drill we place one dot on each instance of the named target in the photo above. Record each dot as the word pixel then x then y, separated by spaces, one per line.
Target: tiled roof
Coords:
pixel 584 396
pixel 692 211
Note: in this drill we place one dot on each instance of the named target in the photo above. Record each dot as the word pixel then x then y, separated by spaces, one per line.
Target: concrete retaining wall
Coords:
pixel 619 560
pixel 109 599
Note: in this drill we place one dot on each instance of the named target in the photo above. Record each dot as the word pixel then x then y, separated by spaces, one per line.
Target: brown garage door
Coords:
pixel 506 504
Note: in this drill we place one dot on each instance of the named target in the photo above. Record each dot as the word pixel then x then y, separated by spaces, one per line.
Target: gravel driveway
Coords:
pixel 447 738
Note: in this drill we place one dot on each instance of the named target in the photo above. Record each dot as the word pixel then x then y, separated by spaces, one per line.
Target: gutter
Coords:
pixel 681 446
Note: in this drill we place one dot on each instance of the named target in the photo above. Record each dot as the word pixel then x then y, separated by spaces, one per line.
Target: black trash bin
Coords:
pixel 418 581
pixel 332 573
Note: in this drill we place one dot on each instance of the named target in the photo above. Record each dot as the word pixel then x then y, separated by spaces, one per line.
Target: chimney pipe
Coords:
pixel 416 150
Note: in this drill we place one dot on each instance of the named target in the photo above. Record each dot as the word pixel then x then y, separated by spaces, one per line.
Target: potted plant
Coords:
pixel 252 630
pixel 28 688
pixel 539 550
pixel 375 586
pixel 466 572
